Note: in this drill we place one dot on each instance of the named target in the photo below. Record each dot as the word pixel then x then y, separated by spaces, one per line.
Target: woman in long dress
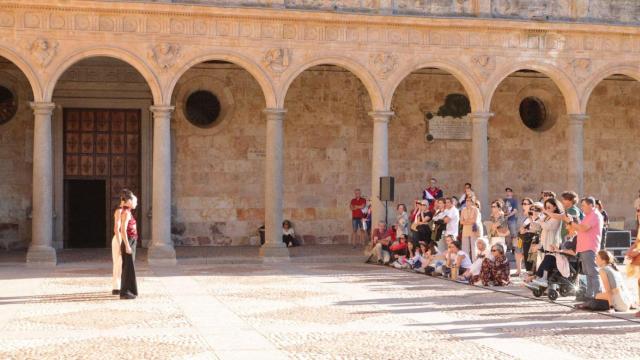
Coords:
pixel 128 240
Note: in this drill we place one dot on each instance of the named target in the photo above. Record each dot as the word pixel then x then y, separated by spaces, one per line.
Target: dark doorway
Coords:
pixel 85 213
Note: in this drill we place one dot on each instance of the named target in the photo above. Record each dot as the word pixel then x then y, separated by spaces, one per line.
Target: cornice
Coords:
pixel 321 18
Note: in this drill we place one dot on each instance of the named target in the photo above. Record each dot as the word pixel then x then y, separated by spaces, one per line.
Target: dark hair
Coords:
pixel 589 200
pixel 441 199
pixel 508 189
pixel 465 184
pixel 570 196
pixel 556 204
pixel 457 244
pixel 499 202
pixel 535 208
pixel 530 200
pixel 126 195
pixel 286 222
pixel 608 258
pixel 599 203
pixel 549 193
pixel 403 206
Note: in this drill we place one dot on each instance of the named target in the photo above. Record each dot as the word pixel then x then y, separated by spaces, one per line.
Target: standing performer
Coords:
pixel 129 238
pixel 115 251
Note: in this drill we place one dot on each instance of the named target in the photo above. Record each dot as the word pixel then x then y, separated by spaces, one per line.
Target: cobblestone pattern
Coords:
pixel 305 311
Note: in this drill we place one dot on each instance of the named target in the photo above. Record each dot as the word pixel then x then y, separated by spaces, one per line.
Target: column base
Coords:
pixel 41 256
pixel 161 255
pixel 274 253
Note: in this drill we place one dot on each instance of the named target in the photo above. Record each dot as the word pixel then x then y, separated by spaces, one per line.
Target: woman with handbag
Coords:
pixel 497 224
pixel 128 233
pixel 520 242
pixel 421 223
pixel 468 218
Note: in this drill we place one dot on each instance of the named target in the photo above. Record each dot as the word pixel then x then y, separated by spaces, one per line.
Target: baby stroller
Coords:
pixel 558 285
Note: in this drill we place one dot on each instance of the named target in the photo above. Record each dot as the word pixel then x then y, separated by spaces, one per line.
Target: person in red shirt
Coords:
pixel 432 193
pixel 381 238
pixel 356 206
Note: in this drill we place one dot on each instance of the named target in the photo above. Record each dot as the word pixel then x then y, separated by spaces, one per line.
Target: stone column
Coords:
pixel 274 248
pixel 480 159
pixel 41 251
pixel 575 153
pixel 161 249
pixel 379 161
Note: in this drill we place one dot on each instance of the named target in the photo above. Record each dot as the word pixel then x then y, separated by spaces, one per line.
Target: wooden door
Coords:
pixel 103 144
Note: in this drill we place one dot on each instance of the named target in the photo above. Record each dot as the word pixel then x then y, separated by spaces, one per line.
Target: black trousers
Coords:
pixel 548 263
pixel 128 282
pixel 289 240
pixel 526 246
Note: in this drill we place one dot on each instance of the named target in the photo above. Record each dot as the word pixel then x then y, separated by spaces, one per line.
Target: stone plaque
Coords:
pixel 449 128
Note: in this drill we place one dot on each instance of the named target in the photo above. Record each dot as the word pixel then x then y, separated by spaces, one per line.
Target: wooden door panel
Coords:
pixel 103 144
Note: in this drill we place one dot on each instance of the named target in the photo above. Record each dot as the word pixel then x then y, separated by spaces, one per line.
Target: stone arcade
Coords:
pixel 308 105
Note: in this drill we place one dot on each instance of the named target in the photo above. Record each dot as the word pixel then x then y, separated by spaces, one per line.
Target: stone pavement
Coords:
pixel 295 310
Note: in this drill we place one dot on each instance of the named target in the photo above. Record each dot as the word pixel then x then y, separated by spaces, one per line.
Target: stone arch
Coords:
pixel 559 78
pixel 251 67
pixel 133 60
pixel 367 79
pixel 465 78
pixel 630 70
pixel 26 69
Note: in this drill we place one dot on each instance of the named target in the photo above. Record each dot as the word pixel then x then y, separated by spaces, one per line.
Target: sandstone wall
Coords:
pixel 526 160
pixel 611 154
pixel 413 160
pixel 218 172
pixel 16 163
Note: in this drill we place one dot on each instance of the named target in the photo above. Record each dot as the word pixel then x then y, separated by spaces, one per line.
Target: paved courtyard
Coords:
pixel 297 310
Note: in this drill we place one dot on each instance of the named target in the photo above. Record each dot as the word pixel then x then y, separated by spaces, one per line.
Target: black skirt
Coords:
pixel 128 282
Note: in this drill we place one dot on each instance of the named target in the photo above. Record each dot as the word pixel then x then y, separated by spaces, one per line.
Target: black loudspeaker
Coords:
pixel 387 184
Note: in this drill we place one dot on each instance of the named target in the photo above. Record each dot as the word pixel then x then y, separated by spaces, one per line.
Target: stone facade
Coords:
pixel 16 158
pixel 301 85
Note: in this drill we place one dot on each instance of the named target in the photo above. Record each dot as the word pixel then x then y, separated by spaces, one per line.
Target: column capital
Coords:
pixel 42 107
pixel 480 116
pixel 274 114
pixel 381 116
pixel 577 119
pixel 161 109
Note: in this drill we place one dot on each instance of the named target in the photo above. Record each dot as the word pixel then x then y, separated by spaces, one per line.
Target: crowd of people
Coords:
pixel 555 235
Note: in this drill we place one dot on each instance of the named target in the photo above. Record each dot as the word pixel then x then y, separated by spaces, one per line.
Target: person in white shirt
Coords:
pixel 451 218
pixel 457 259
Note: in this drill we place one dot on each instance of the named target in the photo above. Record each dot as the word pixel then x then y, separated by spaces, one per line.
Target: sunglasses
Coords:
pixel 492 250
pixel 524 204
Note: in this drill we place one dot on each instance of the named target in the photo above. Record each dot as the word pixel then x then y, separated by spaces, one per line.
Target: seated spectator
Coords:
pixel 432 259
pixel 457 261
pixel 482 252
pixel 398 248
pixel 412 259
pixel 380 241
pixel 614 291
pixel 495 269
pixel 288 235
pixel 559 261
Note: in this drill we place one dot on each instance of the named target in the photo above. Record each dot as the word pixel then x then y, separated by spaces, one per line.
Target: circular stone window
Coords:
pixel 533 113
pixel 202 108
pixel 8 105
